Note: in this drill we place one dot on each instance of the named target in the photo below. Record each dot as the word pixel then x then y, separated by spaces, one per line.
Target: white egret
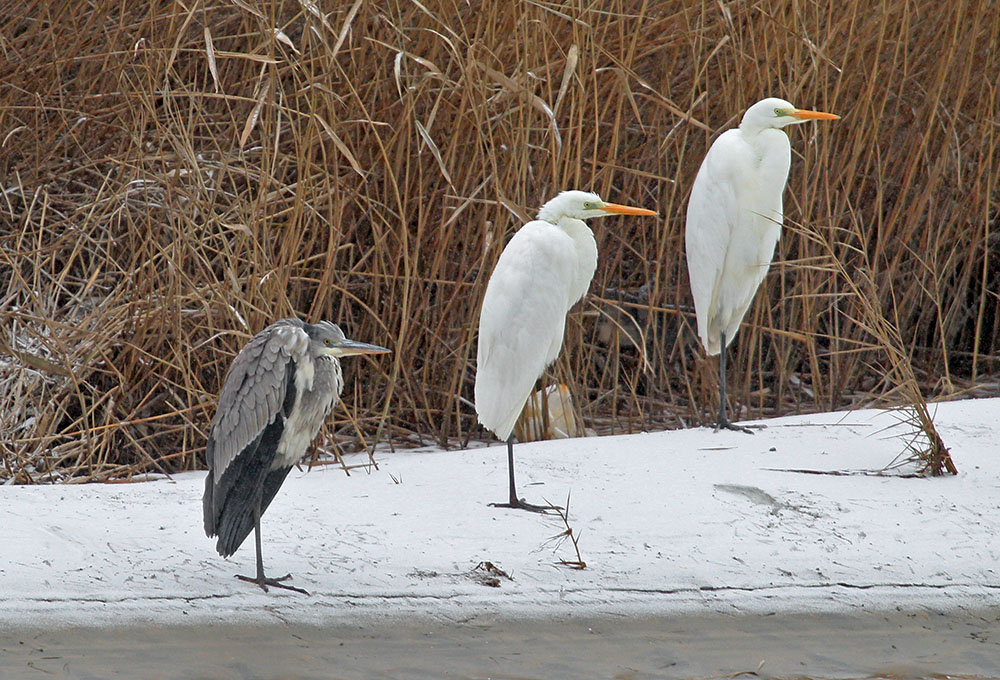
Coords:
pixel 543 271
pixel 734 220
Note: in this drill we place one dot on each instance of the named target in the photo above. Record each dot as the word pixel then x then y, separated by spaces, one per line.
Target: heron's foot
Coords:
pixel 726 424
pixel 521 504
pixel 264 582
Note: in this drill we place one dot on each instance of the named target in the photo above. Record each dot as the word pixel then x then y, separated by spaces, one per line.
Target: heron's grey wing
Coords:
pixel 259 387
pixel 254 391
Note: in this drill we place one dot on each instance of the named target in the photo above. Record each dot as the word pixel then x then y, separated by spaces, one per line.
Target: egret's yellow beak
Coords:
pixel 625 209
pixel 804 114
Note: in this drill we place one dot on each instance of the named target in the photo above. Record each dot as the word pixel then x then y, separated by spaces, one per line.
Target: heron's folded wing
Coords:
pixel 254 391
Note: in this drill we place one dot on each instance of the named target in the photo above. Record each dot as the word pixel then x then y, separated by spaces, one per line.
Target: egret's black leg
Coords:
pixel 514 501
pixel 261 580
pixel 724 422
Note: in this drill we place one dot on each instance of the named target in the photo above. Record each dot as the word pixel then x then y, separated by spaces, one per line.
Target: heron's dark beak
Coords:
pixel 346 348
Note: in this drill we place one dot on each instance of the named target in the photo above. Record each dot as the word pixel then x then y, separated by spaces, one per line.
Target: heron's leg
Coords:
pixel 514 501
pixel 724 422
pixel 261 580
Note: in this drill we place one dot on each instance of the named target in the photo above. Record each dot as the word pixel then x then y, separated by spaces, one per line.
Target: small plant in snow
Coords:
pixel 557 541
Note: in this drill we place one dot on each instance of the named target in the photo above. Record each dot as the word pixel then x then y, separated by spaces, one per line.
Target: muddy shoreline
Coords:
pixel 920 644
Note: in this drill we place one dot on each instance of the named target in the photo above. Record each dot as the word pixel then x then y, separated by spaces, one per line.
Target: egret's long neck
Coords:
pixel 586 252
pixel 772 155
pixel 750 129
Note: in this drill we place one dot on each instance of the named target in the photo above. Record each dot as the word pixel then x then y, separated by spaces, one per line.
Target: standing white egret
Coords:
pixel 543 271
pixel 734 220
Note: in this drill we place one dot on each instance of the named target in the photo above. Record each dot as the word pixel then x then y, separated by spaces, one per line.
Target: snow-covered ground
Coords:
pixel 687 521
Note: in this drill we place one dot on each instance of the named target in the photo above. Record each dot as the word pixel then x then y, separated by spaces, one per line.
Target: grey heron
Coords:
pixel 279 390
pixel 545 268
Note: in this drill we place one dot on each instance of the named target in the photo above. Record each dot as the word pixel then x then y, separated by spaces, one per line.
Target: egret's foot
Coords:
pixel 264 582
pixel 521 504
pixel 726 424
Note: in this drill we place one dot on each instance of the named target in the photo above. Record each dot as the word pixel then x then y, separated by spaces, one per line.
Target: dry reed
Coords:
pixel 175 176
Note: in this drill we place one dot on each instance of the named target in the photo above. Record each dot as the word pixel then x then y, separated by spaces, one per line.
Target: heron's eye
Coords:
pixel 327 341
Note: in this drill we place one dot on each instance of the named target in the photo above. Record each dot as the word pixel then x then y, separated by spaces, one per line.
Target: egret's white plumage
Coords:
pixel 544 270
pixel 536 281
pixel 734 217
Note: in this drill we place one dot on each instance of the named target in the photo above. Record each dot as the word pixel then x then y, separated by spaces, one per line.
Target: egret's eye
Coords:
pixel 587 205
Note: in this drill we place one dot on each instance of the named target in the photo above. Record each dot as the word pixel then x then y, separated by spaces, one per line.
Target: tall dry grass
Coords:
pixel 176 175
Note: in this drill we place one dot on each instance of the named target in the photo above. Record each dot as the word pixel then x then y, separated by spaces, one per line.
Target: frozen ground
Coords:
pixel 685 522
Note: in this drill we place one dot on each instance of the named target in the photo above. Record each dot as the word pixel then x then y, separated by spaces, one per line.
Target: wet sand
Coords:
pixel 894 645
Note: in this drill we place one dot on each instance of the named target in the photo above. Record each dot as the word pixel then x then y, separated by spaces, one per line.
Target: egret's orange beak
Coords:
pixel 625 209
pixel 804 114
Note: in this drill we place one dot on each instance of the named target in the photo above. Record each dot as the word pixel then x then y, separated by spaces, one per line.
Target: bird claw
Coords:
pixel 725 424
pixel 521 504
pixel 265 581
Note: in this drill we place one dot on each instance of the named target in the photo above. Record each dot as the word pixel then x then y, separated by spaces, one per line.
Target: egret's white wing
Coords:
pixel 760 181
pixel 712 215
pixel 522 321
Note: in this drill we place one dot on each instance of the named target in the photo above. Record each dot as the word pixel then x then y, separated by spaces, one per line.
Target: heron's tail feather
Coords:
pixel 208 505
pixel 233 528
pixel 234 495
pixel 236 522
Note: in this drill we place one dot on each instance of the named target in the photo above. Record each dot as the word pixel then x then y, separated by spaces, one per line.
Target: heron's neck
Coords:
pixel 329 375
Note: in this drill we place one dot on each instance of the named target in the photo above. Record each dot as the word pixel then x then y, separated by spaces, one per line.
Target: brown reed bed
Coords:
pixel 175 176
